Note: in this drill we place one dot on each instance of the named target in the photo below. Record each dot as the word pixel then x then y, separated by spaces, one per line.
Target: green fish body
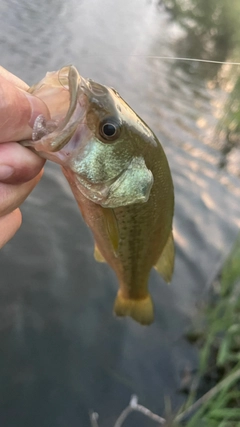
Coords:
pixel 120 177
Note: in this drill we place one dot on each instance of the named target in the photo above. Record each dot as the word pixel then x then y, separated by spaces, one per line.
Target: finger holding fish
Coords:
pixel 20 168
pixel 16 122
pixel 20 171
pixel 9 225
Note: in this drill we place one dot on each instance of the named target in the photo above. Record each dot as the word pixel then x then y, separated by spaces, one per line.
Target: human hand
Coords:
pixel 20 168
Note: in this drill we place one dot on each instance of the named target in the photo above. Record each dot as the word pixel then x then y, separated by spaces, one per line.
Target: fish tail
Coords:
pixel 140 310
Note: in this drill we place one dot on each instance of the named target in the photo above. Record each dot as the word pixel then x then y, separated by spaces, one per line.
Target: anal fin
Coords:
pixel 97 255
pixel 165 263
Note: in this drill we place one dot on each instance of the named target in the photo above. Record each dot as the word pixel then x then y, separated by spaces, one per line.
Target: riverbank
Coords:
pixel 219 340
pixel 214 392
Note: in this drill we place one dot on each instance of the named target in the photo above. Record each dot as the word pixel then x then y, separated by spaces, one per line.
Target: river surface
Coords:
pixel 63 353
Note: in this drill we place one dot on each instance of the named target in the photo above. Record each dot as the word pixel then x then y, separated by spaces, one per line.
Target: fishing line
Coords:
pixel 171 58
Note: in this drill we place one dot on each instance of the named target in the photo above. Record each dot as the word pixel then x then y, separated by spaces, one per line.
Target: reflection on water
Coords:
pixel 211 30
pixel 62 351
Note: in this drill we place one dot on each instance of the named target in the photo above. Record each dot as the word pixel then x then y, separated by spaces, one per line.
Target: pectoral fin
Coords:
pixel 165 263
pixel 111 227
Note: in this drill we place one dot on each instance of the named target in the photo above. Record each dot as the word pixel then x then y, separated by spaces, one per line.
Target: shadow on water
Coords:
pixel 62 351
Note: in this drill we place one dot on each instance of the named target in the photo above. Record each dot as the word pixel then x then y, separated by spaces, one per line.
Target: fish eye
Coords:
pixel 109 129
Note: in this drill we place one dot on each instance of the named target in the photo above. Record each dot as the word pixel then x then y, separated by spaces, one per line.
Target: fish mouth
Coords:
pixel 51 136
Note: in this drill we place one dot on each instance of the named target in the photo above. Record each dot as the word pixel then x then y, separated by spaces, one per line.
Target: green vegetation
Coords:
pixel 220 354
pixel 212 26
pixel 228 128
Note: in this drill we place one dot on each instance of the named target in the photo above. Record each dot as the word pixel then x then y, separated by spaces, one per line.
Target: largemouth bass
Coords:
pixel 119 175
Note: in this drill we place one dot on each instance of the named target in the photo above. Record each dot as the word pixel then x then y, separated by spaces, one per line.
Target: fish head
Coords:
pixel 94 134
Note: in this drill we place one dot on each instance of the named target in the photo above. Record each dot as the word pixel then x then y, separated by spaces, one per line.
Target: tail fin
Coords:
pixel 140 310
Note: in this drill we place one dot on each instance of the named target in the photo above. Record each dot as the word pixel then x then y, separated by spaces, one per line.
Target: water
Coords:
pixel 62 351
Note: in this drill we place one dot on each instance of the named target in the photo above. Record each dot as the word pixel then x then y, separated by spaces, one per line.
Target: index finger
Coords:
pixel 13 79
pixel 18 110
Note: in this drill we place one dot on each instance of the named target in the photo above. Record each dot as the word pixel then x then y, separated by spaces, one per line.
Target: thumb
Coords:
pixel 18 111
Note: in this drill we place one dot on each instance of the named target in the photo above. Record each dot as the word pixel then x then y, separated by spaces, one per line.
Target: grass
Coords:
pixel 219 370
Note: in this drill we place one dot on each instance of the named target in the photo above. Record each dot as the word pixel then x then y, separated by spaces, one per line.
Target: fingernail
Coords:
pixel 38 108
pixel 5 172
